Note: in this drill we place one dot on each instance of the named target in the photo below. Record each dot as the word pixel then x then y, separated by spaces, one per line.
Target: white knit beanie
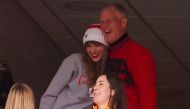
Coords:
pixel 94 33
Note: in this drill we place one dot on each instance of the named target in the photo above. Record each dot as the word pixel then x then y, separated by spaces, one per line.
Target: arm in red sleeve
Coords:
pixel 144 74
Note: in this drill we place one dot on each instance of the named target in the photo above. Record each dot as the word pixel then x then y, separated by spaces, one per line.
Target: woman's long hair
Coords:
pixel 20 97
pixel 118 100
pixel 95 69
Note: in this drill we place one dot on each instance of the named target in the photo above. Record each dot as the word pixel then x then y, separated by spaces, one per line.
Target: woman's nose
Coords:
pixel 95 87
pixel 93 49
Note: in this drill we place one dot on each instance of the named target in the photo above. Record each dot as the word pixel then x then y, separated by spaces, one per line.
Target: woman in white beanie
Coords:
pixel 70 88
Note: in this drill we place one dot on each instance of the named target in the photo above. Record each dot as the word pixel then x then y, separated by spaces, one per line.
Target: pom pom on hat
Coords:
pixel 94 33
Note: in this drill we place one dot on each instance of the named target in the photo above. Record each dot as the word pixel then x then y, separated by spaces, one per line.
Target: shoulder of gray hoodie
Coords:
pixel 66 91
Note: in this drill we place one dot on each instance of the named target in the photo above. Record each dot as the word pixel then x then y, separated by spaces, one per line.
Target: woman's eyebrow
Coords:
pixel 100 81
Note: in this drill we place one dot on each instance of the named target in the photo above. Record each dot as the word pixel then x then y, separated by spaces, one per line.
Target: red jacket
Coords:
pixel 135 64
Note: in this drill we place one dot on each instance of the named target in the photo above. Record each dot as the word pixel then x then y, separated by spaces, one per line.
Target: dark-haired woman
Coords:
pixel 109 93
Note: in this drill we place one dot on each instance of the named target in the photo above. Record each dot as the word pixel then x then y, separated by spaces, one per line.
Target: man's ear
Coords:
pixel 112 92
pixel 124 22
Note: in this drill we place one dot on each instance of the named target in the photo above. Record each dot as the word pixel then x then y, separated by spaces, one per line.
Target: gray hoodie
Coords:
pixel 69 87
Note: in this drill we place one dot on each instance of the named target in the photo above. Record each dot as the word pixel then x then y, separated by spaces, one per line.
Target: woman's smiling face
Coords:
pixel 95 50
pixel 102 91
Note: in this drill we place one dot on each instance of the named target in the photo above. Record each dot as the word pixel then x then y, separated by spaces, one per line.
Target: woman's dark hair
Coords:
pixel 118 100
pixel 95 69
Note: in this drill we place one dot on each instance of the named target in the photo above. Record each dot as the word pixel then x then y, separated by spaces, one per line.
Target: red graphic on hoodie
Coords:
pixel 83 80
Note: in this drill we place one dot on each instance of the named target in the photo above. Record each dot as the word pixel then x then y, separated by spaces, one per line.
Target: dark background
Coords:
pixel 36 35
